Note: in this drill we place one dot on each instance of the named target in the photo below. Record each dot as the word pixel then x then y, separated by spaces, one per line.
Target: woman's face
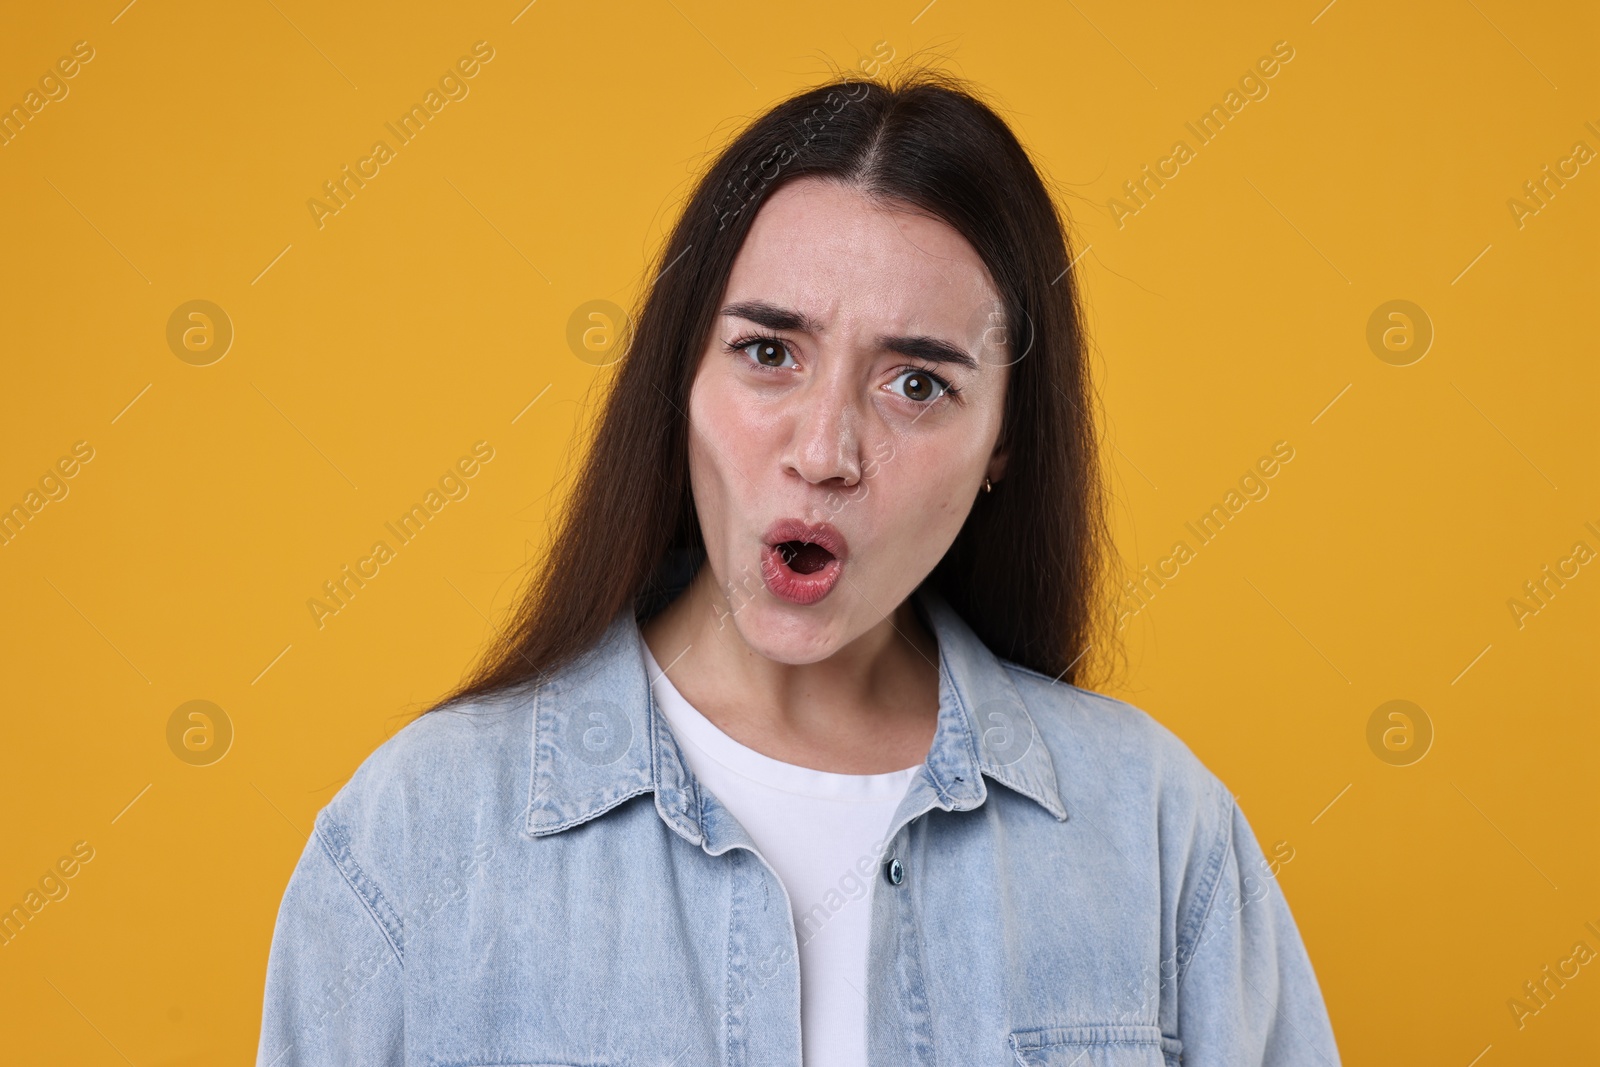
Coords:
pixel 850 392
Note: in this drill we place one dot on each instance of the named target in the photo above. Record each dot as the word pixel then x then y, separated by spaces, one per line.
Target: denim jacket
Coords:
pixel 538 879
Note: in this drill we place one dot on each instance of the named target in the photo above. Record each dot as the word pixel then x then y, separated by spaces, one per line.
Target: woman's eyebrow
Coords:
pixel 772 317
pixel 930 349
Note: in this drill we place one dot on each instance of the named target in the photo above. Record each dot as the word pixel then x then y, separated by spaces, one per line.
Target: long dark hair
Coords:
pixel 1027 570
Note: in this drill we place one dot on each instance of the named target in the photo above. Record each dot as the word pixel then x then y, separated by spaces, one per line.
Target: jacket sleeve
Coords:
pixel 1247 996
pixel 334 972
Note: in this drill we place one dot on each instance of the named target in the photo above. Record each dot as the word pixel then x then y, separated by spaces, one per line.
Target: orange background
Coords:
pixel 370 353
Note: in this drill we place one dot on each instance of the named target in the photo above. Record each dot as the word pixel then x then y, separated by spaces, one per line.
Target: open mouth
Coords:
pixel 803 557
pixel 801 562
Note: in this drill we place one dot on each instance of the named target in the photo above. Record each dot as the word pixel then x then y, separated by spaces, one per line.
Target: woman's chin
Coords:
pixel 787 633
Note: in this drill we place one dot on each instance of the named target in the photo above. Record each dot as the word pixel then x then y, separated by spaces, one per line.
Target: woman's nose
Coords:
pixel 825 443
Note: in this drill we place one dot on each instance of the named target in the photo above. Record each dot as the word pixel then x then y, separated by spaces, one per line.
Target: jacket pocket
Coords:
pixel 1111 1045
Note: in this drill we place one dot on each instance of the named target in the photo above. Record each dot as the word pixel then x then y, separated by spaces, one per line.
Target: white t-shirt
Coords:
pixel 819 831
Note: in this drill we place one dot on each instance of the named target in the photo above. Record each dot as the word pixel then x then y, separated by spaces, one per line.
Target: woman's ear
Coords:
pixel 997 465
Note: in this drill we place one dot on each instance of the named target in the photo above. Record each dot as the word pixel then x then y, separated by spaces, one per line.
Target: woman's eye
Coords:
pixel 921 386
pixel 767 352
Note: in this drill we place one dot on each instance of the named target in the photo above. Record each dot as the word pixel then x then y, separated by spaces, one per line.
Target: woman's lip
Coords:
pixel 817 533
pixel 788 584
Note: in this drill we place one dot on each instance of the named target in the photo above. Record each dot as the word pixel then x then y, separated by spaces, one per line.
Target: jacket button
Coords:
pixel 894 871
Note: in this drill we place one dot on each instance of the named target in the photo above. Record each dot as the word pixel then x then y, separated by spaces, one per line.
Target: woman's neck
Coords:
pixel 868 708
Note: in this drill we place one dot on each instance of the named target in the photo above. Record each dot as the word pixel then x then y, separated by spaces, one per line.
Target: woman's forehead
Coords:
pixel 825 250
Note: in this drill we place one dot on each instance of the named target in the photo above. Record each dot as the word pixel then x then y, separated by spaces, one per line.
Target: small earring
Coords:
pixel 988 486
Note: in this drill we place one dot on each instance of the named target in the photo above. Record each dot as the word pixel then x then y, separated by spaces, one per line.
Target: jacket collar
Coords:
pixel 599 739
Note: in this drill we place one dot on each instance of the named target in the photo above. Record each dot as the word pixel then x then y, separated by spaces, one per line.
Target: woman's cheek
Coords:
pixel 711 422
pixel 725 410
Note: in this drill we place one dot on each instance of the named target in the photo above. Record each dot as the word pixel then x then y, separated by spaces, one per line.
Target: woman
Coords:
pixel 783 760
